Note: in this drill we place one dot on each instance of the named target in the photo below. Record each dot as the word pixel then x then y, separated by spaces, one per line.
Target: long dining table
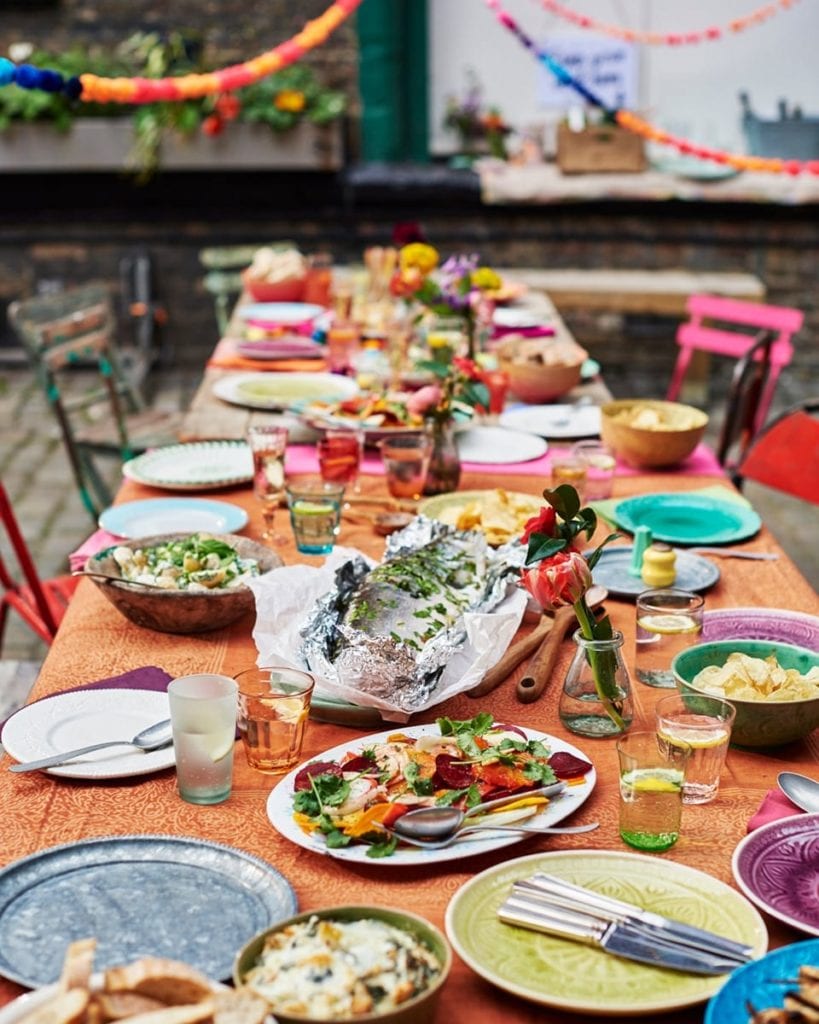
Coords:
pixel 96 642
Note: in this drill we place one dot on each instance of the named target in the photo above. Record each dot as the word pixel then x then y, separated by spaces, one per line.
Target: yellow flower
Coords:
pixel 419 255
pixel 486 279
pixel 291 100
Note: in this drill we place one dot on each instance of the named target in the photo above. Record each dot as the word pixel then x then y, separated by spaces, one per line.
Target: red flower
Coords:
pixel 406 232
pixel 560 580
pixel 213 125
pixel 228 106
pixel 543 522
pixel 468 367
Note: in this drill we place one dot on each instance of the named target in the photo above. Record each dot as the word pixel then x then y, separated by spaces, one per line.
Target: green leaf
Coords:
pixel 594 557
pixel 336 839
pixel 538 772
pixel 477 726
pixel 564 500
pixel 383 849
pixel 541 547
pixel 420 786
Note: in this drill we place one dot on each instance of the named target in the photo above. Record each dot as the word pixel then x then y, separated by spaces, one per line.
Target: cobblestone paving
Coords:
pixel 36 474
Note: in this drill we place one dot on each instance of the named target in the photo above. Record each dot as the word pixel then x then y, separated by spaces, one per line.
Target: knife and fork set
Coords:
pixel 548 904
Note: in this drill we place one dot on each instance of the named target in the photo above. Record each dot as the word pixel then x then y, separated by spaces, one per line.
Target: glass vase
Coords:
pixel 444 471
pixel 597 665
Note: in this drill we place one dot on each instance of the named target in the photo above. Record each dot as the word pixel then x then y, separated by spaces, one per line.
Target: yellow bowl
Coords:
pixel 649 433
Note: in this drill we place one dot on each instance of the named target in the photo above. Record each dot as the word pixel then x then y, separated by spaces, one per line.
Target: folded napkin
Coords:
pixel 775 805
pixel 98 541
pixel 540 331
pixel 226 357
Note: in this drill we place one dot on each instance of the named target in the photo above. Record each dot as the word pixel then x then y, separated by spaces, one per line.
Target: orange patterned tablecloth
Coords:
pixel 96 642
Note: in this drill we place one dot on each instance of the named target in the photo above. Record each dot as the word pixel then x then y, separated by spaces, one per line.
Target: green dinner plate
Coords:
pixel 680 518
pixel 571 976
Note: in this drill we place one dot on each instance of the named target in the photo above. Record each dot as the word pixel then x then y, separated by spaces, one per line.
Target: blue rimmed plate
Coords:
pixel 279 314
pixel 172 515
pixel 612 572
pixel 762 983
pixel 679 518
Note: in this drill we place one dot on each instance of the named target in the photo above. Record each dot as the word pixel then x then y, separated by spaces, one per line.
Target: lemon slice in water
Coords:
pixel 654 780
pixel 217 747
pixel 696 738
pixel 668 624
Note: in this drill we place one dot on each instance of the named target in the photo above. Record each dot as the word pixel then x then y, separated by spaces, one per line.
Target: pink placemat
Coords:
pixel 702 462
pixel 98 540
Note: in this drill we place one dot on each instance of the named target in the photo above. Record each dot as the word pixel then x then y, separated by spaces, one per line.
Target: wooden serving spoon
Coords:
pixel 539 672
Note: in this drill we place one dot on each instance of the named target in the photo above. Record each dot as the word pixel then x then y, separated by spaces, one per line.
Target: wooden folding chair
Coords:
pixel 40 603
pixel 73 329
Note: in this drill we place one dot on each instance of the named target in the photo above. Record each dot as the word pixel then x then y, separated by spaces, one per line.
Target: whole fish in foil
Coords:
pixel 390 630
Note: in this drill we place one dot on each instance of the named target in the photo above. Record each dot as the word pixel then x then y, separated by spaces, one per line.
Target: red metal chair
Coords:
pixel 785 455
pixel 729 327
pixel 40 603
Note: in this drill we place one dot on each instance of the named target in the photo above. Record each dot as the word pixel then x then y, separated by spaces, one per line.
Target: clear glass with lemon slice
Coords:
pixel 668 621
pixel 274 703
pixel 703 724
pixel 203 719
pixel 315 514
pixel 651 785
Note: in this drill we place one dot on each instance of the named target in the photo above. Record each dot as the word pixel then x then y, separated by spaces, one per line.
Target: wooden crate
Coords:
pixel 605 147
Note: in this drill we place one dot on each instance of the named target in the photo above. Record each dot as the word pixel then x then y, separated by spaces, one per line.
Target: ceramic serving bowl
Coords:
pixel 419 1009
pixel 291 289
pixel 176 611
pixel 540 369
pixel 758 723
pixel 648 433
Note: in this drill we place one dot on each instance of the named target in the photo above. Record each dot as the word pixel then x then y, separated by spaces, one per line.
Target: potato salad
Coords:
pixel 196 564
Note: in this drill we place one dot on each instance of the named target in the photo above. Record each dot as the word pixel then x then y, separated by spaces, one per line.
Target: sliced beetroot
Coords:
pixel 450 773
pixel 359 764
pixel 567 766
pixel 302 780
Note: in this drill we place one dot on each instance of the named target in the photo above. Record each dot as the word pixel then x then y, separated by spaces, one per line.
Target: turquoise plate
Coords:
pixel 761 983
pixel 612 572
pixel 680 518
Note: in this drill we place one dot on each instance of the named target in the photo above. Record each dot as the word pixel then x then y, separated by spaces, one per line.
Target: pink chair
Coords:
pixel 710 315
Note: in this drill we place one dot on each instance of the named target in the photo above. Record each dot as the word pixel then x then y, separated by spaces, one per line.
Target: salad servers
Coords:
pixel 801 790
pixel 440 844
pixel 432 823
pixel 155 736
pixel 115 579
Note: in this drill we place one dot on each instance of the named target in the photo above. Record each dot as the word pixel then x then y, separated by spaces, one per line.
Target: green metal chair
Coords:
pixel 74 329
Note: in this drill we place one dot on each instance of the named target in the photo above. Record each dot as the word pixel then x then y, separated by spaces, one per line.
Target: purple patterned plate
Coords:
pixel 777 867
pixel 775 624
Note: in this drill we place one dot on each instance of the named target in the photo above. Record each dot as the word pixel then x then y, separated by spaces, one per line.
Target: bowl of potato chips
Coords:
pixel 500 515
pixel 649 433
pixel 773 686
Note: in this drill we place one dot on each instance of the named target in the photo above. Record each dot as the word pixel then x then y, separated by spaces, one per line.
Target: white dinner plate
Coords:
pixel 280 808
pixel 517 318
pixel 279 314
pixel 79 718
pixel 499 446
pixel 554 421
pixel 197 466
pixel 172 515
pixel 283 391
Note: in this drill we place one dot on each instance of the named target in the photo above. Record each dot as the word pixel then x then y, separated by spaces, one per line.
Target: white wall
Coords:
pixel 690 90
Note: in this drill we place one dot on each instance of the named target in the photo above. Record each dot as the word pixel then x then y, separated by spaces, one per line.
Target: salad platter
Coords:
pixel 340 804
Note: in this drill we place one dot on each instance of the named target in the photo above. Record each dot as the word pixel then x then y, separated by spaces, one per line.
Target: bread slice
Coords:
pixel 240 1006
pixel 191 1013
pixel 63 1008
pixel 169 981
pixel 118 1005
pixel 78 964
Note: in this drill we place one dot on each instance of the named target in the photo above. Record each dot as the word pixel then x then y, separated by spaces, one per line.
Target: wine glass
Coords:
pixel 267 445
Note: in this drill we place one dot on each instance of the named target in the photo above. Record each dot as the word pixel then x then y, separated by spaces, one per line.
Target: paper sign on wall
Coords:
pixel 608 67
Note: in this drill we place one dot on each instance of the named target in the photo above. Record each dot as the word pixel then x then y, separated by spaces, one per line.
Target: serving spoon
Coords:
pixel 439 844
pixel 116 579
pixel 152 738
pixel 801 790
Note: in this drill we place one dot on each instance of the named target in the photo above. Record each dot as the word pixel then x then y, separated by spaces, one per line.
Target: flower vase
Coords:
pixel 444 472
pixel 581 708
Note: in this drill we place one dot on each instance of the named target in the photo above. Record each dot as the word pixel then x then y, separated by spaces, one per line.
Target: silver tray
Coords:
pixel 179 897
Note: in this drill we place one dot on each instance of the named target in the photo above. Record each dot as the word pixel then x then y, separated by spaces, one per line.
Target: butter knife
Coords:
pixel 651 923
pixel 622 940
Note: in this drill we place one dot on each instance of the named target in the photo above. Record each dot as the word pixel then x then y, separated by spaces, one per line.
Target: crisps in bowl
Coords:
pixel 500 514
pixel 748 678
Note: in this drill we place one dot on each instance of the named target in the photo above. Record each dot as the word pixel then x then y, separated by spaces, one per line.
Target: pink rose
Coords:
pixel 560 580
pixel 424 400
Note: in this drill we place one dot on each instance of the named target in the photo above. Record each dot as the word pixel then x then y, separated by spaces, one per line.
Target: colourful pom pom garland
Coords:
pixel 705 35
pixel 93 88
pixel 633 123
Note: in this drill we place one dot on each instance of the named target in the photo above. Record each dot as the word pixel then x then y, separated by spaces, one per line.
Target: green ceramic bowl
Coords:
pixel 759 723
pixel 418 1010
